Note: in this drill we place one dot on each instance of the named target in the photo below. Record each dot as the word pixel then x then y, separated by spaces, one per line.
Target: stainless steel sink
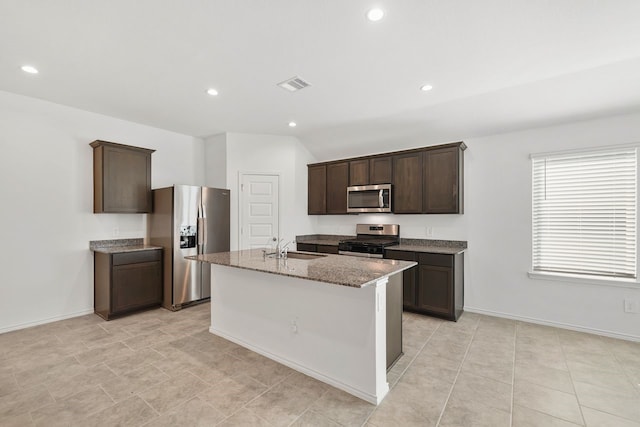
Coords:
pixel 302 255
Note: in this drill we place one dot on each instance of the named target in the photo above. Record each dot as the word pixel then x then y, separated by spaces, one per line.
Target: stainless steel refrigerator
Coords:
pixel 188 220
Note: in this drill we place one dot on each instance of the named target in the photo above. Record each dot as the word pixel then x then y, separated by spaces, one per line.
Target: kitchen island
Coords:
pixel 324 316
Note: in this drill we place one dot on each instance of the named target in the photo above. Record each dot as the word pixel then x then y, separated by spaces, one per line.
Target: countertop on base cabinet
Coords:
pixel 126 280
pixel 436 285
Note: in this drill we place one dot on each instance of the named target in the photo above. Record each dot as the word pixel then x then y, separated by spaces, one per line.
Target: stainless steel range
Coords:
pixel 371 240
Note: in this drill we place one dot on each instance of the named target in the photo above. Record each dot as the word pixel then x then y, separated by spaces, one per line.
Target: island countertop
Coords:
pixel 335 269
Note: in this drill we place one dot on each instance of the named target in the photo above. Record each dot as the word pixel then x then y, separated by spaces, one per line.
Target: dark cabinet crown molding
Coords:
pixel 459 144
pixel 99 143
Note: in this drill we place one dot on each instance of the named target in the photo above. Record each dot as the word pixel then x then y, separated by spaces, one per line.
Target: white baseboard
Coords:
pixel 293 365
pixel 555 324
pixel 44 321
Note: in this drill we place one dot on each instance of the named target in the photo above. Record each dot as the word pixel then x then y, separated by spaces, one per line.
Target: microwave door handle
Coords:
pixel 380 199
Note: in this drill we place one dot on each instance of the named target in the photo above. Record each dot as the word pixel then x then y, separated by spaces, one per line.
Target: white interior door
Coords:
pixel 258 210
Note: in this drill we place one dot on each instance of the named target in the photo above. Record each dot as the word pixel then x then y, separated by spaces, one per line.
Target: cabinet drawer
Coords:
pixel 136 257
pixel 307 247
pixel 400 255
pixel 441 260
pixel 327 249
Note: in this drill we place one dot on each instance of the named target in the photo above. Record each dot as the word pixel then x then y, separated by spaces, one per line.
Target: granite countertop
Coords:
pixel 322 239
pixel 335 269
pixel 429 249
pixel 329 242
pixel 125 248
pixel 120 246
pixel 450 247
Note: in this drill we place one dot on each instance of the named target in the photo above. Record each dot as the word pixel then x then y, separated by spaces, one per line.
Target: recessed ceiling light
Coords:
pixel 426 88
pixel 29 69
pixel 292 124
pixel 212 92
pixel 375 14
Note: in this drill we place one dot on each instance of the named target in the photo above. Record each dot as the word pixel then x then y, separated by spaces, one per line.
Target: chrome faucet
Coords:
pixel 280 251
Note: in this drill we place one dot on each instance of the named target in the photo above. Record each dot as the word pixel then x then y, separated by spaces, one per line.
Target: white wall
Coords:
pixel 215 161
pixel 497 226
pixel 284 155
pixel 46 194
pixel 498 188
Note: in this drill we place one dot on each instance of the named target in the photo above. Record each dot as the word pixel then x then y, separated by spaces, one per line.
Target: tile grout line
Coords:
pixel 599 409
pixel 513 372
pixel 244 406
pixel 573 385
pixel 407 368
pixel 455 380
pixel 627 372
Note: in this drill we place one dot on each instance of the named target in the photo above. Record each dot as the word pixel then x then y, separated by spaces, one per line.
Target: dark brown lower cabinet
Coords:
pixel 435 286
pixel 307 247
pixel 408 277
pixel 312 247
pixel 327 249
pixel 126 282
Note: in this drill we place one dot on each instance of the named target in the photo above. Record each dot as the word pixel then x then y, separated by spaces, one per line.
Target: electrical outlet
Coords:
pixel 294 326
pixel 631 306
pixel 116 232
pixel 429 231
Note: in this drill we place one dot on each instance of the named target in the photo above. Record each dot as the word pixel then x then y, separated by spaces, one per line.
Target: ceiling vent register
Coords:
pixel 294 84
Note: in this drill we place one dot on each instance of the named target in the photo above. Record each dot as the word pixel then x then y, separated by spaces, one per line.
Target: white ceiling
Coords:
pixel 495 65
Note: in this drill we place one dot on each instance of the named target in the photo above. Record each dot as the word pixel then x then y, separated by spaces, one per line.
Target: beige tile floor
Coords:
pixel 159 368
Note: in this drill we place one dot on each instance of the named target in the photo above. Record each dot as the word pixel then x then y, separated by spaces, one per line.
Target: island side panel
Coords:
pixel 334 333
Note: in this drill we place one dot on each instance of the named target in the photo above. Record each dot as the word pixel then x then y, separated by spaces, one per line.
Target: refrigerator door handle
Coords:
pixel 201 232
pixel 203 218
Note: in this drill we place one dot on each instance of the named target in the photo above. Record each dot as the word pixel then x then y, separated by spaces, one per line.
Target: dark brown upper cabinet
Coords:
pixel 407 183
pixel 380 170
pixel 442 181
pixel 337 183
pixel 121 178
pixel 426 180
pixel 317 190
pixel 376 170
pixel 359 172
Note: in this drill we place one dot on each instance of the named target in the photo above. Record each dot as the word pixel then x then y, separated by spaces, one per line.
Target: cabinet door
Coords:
pixel 409 294
pixel 380 170
pixel 126 181
pixel 317 190
pixel 435 289
pixel 135 286
pixel 337 183
pixel 408 277
pixel 407 183
pixel 359 172
pixel 441 181
pixel 327 249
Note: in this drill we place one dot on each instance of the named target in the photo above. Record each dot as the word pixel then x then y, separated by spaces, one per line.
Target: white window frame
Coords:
pixel 633 283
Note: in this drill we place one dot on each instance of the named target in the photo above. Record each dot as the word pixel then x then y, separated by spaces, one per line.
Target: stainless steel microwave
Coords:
pixel 369 198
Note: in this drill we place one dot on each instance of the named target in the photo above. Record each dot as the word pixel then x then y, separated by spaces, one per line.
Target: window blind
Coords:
pixel 584 213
